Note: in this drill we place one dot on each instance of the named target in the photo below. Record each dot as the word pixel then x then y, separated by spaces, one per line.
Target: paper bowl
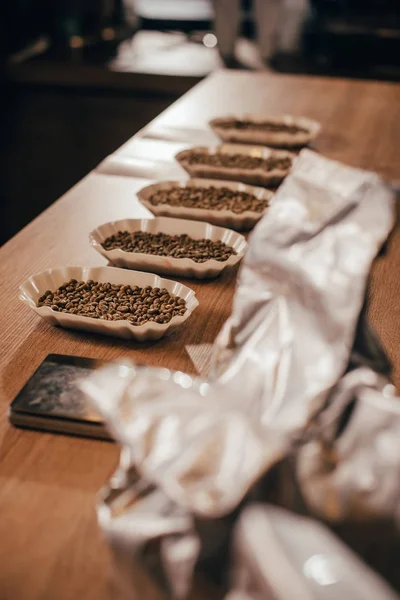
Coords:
pixel 278 139
pixel 32 289
pixel 223 218
pixel 250 176
pixel 184 267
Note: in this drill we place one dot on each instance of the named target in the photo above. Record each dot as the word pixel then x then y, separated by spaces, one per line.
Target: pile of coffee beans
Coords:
pixel 210 198
pixel 114 302
pixel 162 244
pixel 270 126
pixel 238 161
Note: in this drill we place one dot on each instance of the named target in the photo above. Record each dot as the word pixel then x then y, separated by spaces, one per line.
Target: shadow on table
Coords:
pixel 76 463
pixel 167 352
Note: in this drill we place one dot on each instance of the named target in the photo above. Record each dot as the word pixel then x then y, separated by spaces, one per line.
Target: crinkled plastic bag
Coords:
pixel 280 556
pixel 351 471
pixel 300 292
pixel 199 447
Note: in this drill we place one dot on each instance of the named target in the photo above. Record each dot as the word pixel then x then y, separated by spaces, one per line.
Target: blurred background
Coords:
pixel 79 78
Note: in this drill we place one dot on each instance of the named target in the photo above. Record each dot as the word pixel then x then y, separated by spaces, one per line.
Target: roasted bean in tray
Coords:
pixel 163 244
pixel 269 126
pixel 238 161
pixel 211 198
pixel 112 302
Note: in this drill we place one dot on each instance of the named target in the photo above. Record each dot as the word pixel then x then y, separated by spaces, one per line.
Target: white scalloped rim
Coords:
pixel 255 177
pixel 183 267
pixel 269 138
pixel 222 218
pixel 34 287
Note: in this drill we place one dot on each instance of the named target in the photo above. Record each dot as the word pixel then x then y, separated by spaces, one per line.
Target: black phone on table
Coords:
pixel 52 401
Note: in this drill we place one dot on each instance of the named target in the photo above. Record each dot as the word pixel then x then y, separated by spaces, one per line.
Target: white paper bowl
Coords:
pixel 251 176
pixel 32 289
pixel 278 139
pixel 184 267
pixel 223 218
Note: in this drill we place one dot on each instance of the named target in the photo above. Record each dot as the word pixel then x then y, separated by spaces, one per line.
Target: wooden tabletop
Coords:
pixel 50 545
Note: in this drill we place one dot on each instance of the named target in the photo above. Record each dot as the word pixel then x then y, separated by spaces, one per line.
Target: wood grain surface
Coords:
pixel 50 545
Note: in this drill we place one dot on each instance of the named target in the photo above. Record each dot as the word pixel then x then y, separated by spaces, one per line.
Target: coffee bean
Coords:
pixel 209 198
pixel 134 304
pixel 271 126
pixel 162 244
pixel 238 161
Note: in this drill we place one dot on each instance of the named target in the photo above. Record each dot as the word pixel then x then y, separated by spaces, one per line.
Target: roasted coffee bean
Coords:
pixel 266 125
pixel 162 244
pixel 114 302
pixel 209 198
pixel 239 161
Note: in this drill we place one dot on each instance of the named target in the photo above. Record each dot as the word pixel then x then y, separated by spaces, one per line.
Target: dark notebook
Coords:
pixel 52 401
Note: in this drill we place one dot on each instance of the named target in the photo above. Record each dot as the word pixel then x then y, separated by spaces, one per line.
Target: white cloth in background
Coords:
pixel 294 14
pixel 278 24
pixel 227 15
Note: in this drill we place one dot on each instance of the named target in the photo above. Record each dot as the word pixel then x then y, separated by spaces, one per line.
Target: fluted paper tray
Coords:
pixel 168 265
pixel 309 129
